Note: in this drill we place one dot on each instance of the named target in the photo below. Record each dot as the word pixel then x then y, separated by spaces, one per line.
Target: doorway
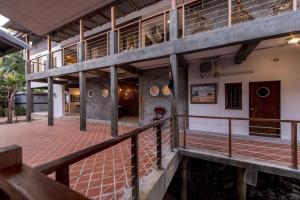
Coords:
pixel 264 104
pixel 128 92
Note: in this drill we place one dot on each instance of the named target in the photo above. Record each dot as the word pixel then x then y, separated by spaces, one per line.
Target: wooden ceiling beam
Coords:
pixel 130 69
pixel 246 49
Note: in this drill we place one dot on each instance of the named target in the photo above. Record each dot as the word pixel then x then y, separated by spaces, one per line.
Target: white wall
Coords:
pixel 263 68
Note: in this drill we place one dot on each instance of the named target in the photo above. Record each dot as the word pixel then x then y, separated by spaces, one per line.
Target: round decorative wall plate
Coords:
pixel 105 93
pixel 166 90
pixel 90 93
pixel 154 91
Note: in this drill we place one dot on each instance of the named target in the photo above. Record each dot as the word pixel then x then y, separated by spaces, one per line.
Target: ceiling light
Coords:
pixel 294 41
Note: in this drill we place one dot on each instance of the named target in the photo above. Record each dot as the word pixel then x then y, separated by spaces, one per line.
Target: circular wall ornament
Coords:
pixel 263 92
pixel 166 90
pixel 105 93
pixel 154 91
pixel 90 93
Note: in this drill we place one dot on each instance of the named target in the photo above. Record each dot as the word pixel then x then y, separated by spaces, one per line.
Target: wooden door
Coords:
pixel 265 104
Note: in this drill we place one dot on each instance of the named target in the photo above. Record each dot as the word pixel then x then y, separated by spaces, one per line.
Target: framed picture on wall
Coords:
pixel 204 94
pixel 75 98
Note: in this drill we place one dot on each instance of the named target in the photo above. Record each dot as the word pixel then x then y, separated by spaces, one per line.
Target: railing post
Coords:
pixel 230 138
pixel 62 176
pixel 135 167
pixel 158 146
pixel 183 21
pixel 49 56
pixel 140 34
pixel 184 132
pixel 294 5
pixel 294 147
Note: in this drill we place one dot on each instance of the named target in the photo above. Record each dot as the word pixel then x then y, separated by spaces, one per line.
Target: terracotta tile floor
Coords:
pixel 261 149
pixel 106 175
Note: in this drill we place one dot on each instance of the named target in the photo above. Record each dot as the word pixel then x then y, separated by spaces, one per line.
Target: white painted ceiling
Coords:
pixel 44 16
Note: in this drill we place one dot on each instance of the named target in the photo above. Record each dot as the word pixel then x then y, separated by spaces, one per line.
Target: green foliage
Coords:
pixel 3 112
pixel 20 111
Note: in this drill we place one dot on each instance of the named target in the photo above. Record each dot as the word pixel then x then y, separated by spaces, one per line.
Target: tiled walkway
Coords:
pixel 106 175
pixel 256 148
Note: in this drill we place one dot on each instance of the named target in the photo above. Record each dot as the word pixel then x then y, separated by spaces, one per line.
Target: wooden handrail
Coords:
pixel 241 119
pixel 66 161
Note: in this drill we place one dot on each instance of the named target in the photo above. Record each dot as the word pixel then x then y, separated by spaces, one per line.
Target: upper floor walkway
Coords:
pixel 200 25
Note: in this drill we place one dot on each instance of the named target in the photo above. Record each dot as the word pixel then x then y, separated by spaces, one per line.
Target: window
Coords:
pixel 233 96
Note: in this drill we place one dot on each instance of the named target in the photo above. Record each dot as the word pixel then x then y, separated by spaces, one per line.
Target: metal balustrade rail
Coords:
pixel 193 17
pixel 38 64
pixel 117 165
pixel 242 138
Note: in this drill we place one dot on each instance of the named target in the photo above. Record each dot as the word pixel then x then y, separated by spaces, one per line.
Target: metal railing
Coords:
pixel 237 137
pixel 124 161
pixel 37 64
pixel 193 17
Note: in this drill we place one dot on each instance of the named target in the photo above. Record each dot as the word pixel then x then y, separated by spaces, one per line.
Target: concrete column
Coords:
pixel 82 83
pixel 50 102
pixel 113 49
pixel 81 48
pixel 173 21
pixel 114 100
pixel 175 96
pixel 28 101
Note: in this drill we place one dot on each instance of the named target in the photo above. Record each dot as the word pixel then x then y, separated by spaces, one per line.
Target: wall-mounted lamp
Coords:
pixel 294 41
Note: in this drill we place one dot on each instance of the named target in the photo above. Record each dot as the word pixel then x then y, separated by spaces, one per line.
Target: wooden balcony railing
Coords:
pixel 194 17
pixel 236 137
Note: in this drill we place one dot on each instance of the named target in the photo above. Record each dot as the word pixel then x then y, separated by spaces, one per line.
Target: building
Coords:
pixel 225 61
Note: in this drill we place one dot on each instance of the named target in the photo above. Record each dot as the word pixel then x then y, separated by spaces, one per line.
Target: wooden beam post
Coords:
pixel 27 56
pixel 29 102
pixel 113 18
pixel 50 102
pixel 81 48
pixel 82 85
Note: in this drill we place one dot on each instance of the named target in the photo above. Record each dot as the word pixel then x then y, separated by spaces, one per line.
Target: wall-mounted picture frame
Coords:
pixel 75 98
pixel 204 93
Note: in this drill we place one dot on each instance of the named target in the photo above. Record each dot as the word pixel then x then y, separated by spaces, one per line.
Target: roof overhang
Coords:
pixel 42 17
pixel 10 44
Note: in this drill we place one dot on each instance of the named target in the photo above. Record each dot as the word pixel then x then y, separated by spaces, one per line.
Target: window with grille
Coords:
pixel 233 96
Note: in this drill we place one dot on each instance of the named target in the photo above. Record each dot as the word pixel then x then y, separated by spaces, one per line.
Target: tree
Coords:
pixel 12 79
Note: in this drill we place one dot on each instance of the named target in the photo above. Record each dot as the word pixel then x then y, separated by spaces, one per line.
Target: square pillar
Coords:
pixel 175 96
pixel 81 47
pixel 82 84
pixel 114 100
pixel 29 102
pixel 50 102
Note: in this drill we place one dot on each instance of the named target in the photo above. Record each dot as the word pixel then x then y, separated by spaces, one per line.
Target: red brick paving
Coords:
pixel 106 175
pixel 278 152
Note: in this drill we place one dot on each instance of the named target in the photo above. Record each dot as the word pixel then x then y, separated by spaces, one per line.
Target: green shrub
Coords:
pixel 20 111
pixel 2 113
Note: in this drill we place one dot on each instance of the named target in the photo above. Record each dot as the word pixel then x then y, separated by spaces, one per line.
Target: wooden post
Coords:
pixel 114 100
pixel 27 54
pixel 159 146
pixel 82 85
pixel 230 138
pixel 183 21
pixel 173 21
pixel 62 176
pixel 229 12
pixel 49 57
pixel 140 34
pixel 113 18
pixel 165 26
pixel 50 101
pixel 294 145
pixel 294 5
pixel 135 167
pixel 173 4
